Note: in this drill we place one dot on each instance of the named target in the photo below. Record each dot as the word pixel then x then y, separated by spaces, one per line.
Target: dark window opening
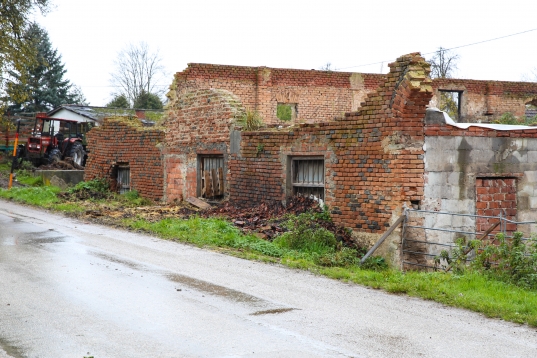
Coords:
pixel 211 175
pixel 450 102
pixel 123 178
pixel 286 111
pixel 415 204
pixel 308 177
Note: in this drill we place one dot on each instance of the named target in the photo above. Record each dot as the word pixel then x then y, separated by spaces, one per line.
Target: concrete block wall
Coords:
pixel 485 101
pixel 120 140
pixel 458 162
pixel 199 122
pixel 373 157
pixel 319 95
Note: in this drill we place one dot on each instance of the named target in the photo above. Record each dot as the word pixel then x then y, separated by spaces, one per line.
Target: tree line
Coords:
pixel 33 75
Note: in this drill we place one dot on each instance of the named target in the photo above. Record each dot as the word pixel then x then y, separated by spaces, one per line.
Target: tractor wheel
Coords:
pixel 54 156
pixel 77 153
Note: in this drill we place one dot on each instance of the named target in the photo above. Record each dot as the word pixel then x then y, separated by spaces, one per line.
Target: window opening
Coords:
pixel 212 176
pixel 123 178
pixel 308 177
pixel 450 102
pixel 286 111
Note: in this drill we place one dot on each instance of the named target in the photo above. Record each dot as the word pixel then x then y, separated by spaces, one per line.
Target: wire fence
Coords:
pixel 426 233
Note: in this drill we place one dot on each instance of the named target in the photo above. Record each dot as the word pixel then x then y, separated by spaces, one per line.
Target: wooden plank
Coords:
pixel 202 183
pixel 381 240
pixel 198 203
pixel 214 178
pixel 208 184
pixel 221 180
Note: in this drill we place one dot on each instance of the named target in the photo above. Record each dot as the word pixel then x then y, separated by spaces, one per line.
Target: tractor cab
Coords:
pixel 54 139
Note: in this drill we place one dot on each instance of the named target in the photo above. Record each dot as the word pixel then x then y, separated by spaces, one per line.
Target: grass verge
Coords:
pixel 471 290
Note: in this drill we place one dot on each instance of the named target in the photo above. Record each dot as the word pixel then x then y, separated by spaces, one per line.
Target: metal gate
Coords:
pixel 426 233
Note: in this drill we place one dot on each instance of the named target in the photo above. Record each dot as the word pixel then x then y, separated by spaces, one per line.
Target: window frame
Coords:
pixel 201 176
pixel 317 187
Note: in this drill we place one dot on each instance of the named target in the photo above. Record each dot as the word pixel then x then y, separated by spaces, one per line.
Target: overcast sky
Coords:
pixel 291 34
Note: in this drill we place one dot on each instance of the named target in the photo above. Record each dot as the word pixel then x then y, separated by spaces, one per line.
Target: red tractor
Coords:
pixel 54 139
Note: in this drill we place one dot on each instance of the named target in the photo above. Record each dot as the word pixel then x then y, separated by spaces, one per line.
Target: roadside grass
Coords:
pixel 471 290
pixel 44 197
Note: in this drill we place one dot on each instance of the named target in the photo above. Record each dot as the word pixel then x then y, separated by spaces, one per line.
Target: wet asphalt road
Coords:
pixel 71 289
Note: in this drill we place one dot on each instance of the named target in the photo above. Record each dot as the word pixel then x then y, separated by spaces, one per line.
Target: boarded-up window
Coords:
pixel 123 178
pixel 308 177
pixel 212 176
pixel 495 196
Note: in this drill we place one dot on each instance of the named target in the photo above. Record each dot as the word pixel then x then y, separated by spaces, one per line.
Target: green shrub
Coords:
pixel 343 258
pixel 510 260
pixel 98 185
pixel 250 120
pixel 375 263
pixel 133 198
pixel 306 235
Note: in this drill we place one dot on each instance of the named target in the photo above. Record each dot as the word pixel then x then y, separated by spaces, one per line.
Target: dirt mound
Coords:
pixel 266 218
pixel 83 194
pixel 66 164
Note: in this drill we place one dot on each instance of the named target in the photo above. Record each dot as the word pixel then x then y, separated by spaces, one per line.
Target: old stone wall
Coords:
pixel 199 124
pixel 319 95
pixel 120 141
pixel 478 171
pixel 485 101
pixel 373 158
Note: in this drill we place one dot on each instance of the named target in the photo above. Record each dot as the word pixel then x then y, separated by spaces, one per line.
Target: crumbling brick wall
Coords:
pixel 373 157
pixel 320 95
pixel 485 101
pixel 199 123
pixel 124 141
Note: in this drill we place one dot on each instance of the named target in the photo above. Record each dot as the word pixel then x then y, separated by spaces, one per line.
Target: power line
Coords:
pixel 447 49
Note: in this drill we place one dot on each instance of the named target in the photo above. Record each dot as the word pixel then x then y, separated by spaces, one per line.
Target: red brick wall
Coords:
pixel 117 141
pixel 494 197
pixel 198 123
pixel 485 101
pixel 447 130
pixel 373 157
pixel 321 95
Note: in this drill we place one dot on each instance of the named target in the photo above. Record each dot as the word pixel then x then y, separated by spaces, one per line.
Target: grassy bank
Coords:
pixel 305 246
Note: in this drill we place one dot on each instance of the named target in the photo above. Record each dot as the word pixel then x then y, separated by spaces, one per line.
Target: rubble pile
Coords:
pixel 66 164
pixel 265 220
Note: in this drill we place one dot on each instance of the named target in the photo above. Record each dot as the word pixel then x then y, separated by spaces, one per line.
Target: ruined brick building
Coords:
pixel 363 143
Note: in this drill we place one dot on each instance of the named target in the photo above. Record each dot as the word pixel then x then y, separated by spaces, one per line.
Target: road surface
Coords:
pixel 74 289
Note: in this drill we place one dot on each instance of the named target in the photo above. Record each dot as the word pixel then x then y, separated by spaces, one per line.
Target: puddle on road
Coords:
pixel 274 311
pixel 221 291
pixel 33 238
pixel 129 264
pixel 202 286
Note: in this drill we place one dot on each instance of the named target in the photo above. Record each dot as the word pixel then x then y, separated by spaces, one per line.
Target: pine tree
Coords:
pixel 44 80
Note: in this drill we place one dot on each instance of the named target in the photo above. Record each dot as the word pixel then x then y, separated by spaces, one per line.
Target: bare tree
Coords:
pixel 443 63
pixel 530 76
pixel 326 67
pixel 137 71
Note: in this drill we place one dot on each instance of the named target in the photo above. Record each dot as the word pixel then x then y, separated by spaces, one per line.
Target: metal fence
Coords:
pixel 426 233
